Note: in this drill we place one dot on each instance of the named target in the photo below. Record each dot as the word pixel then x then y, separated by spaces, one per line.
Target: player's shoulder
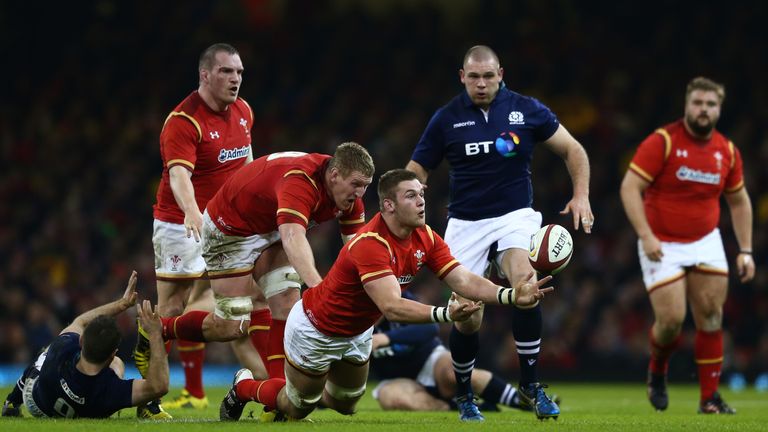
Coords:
pixel 520 102
pixel 426 235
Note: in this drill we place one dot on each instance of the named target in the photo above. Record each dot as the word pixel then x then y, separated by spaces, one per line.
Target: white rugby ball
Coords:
pixel 551 249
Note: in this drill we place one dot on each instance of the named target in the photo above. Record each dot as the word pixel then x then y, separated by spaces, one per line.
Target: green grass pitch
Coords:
pixel 585 407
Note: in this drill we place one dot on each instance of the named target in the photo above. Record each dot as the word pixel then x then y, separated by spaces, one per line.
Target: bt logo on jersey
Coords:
pixel 472 149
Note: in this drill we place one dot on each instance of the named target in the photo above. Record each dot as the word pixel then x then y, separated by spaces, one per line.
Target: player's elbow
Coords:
pixel 391 311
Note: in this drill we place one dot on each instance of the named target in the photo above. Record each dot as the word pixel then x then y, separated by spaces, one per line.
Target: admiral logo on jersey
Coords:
pixel 506 143
pixel 238 153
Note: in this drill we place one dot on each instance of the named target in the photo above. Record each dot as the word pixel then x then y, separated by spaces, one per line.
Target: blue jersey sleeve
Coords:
pixel 415 334
pixel 430 149
pixel 545 120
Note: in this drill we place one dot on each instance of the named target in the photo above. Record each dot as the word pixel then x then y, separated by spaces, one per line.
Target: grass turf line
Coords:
pixel 585 407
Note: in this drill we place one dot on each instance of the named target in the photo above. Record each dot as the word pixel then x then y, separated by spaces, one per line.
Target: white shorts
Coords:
pixel 312 351
pixel 706 255
pixel 176 256
pixel 227 255
pixel 426 376
pixel 470 241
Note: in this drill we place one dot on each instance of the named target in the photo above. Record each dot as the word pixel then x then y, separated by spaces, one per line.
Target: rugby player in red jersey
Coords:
pixel 328 332
pixel 671 194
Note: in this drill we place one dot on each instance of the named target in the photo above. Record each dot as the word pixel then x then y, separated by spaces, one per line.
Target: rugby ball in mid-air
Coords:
pixel 551 249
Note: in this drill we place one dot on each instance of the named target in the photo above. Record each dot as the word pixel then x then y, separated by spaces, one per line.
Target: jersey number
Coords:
pixel 63 409
pixel 285 154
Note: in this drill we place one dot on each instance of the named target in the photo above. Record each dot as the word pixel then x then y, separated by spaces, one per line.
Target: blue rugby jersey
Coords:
pixel 489 160
pixel 411 346
pixel 63 391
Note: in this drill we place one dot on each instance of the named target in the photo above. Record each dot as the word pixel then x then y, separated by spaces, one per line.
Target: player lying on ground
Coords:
pixel 80 375
pixel 416 372
pixel 328 332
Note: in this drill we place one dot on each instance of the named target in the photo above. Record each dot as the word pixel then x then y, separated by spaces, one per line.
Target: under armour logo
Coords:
pixel 531 362
pixel 681 153
pixel 214 135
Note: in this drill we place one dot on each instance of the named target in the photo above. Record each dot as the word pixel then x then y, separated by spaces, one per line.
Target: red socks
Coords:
pixel 258 331
pixel 192 355
pixel 660 354
pixel 262 391
pixel 708 351
pixel 188 326
pixel 275 351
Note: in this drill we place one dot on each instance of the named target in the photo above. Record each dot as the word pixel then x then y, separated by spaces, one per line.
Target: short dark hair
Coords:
pixel 390 180
pixel 705 84
pixel 480 53
pixel 100 339
pixel 350 157
pixel 208 57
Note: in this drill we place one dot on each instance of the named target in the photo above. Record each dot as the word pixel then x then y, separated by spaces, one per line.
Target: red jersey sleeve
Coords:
pixel 178 141
pixel 351 222
pixel 735 179
pixel 296 199
pixel 371 256
pixel 650 156
pixel 440 260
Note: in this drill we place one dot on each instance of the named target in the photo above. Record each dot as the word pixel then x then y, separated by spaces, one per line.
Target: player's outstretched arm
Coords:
pixel 385 292
pixel 158 376
pixel 472 286
pixel 114 308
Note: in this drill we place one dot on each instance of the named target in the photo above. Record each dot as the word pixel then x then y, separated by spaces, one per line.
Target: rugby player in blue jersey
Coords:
pixel 488 133
pixel 80 375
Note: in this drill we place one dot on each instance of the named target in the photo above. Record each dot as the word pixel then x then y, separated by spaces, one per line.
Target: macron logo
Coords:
pixel 462 124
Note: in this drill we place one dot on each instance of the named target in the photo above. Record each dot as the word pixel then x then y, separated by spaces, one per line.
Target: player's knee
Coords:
pixel 303 401
pixel 344 398
pixel 234 314
pixel 279 280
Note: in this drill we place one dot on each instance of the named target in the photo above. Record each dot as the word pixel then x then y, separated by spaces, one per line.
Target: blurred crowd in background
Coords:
pixel 82 112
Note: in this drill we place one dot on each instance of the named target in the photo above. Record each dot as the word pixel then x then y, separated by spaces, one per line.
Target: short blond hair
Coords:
pixel 351 157
pixel 705 84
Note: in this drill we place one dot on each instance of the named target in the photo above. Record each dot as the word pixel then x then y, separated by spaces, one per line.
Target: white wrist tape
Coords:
pixel 440 314
pixel 506 296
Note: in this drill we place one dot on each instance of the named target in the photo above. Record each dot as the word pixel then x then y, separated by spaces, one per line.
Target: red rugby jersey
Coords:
pixel 339 306
pixel 280 188
pixel 687 177
pixel 211 144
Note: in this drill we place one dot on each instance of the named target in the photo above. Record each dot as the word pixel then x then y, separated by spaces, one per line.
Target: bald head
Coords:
pixel 480 54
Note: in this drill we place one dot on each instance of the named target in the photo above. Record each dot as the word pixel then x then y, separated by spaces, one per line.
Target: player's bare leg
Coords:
pixel 405 394
pixel 279 283
pixel 246 351
pixel 345 386
pixel 668 302
pixel 526 328
pixel 707 293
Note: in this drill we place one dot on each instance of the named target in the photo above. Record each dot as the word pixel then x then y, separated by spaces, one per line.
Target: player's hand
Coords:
pixel 581 212
pixel 379 340
pixel 193 224
pixel 462 310
pixel 130 295
pixel 149 318
pixel 528 291
pixel 652 247
pixel 746 266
